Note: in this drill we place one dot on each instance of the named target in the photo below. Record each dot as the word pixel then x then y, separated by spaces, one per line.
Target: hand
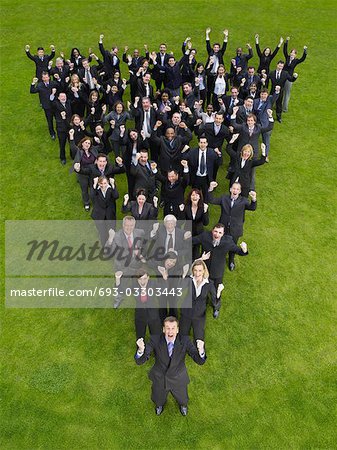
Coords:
pixel 155 227
pixel 244 247
pixel 82 125
pixel 141 345
pixel 205 208
pixel 257 38
pixel 71 134
pixel 118 275
pixel 129 58
pixel 200 346
pixel 182 125
pixel 52 47
pixel 281 40
pixel 112 182
pixel 225 32
pixel 77 167
pixel 97 139
pixel 112 123
pixel 155 106
pixel 234 138
pixel 184 163
pixel 187 39
pixel 155 201
pixel 189 46
pixel 220 101
pixel 95 181
pixel 104 108
pixel 122 130
pixel 182 207
pixel 198 122
pixel 252 195
pixel 187 235
pixel 270 112
pixel 217 151
pixel 305 48
pixel 205 256
pixel 126 48
pixel 101 37
pixel 176 99
pixel 231 129
pixel 208 30
pixel 119 161
pixel 137 100
pixel 235 109
pixel 288 38
pixel 277 89
pixel 92 110
pixel 158 124
pixel 212 185
pixel 35 80
pixel 27 48
pixel 248 46
pixel 126 199
pixel 153 165
pixel 185 148
pixel 263 149
pixel 111 235
pixel 295 75
pixel 185 270
pixel 137 156
pixel 63 115
pixel 53 91
pixel 163 272
pixel 57 76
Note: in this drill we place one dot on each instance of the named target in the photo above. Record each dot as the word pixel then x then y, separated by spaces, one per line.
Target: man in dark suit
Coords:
pixel 110 59
pixel 215 58
pixel 142 170
pixel 260 109
pixel 101 168
pixel 279 77
pixel 169 372
pixel 216 245
pixel 44 89
pixel 202 162
pixel 169 237
pixel 232 214
pixel 41 60
pixel 161 60
pixel 89 75
pixel 145 119
pixel 241 59
pixel 144 88
pixel 61 74
pixel 229 101
pixel 215 132
pixel 62 111
pixel 251 77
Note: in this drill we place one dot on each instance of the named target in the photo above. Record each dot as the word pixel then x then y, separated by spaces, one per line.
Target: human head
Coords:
pixel 293 52
pixel 93 96
pixel 102 161
pixel 75 120
pixel 239 51
pixel 103 183
pixel 264 94
pixel 142 277
pixel 172 176
pixel 117 75
pixel 267 51
pixel 209 109
pixel 251 71
pixel 40 52
pixel 147 78
pixel 141 197
pixel 99 130
pixel 59 63
pixel 162 48
pixel 75 53
pixel 253 87
pixel 199 269
pixel 170 259
pixel 216 47
pixel 75 79
pixel 85 63
pixel 146 103
pixel 235 190
pixel 119 107
pixel 195 196
pixel 170 222
pixel 45 77
pixel 200 67
pixel 128 224
pixel 144 157
pixel 234 92
pixel 187 88
pixel 203 143
pixel 176 118
pixel 169 133
pixel 218 231
pixel 133 134
pixel 85 143
pixel 280 65
pixel 171 61
pixel 62 97
pixel 171 328
pixel 251 120
pixel 249 103
pixel 165 95
pixel 247 152
pixel 218 119
pixel 221 70
pixel 114 50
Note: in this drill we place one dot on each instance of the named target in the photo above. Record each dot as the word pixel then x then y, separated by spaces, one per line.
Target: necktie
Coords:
pixel 232 202
pixel 203 163
pixel 170 242
pixel 143 298
pixel 215 243
pixel 250 131
pixel 170 347
pixel 129 244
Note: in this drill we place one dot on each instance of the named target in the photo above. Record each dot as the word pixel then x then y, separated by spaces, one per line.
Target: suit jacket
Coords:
pixel 265 60
pixel 212 159
pixel 216 263
pixel 261 111
pixel 253 140
pixel 127 143
pixel 138 114
pixel 144 178
pixel 41 65
pixel 199 303
pixel 214 140
pixel 284 76
pixel 179 245
pixel 108 61
pixel 44 92
pixel 109 171
pixel 170 373
pixel 210 52
pixel 124 260
pixel 232 218
pixel 173 196
pixel 141 90
pixel 62 74
pixel 170 153
pixel 242 60
pixel 160 73
pixel 104 208
pixel 289 66
pixel 62 125
pixel 200 220
pixel 149 212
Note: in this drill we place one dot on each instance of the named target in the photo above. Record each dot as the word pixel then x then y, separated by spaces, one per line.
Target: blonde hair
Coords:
pixel 200 262
pixel 247 147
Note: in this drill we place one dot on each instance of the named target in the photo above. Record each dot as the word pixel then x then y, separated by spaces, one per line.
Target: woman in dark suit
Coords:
pixel 242 165
pixel 266 56
pixel 140 209
pixel 196 211
pixel 85 154
pixel 77 95
pixel 104 196
pixel 200 289
pixel 117 117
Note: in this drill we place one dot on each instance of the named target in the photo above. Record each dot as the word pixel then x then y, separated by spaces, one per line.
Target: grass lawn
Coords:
pixel 68 376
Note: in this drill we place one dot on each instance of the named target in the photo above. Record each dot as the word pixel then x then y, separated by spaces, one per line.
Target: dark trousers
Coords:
pixel 62 137
pixel 210 87
pixel 216 282
pixel 147 317
pixel 103 227
pixel 84 181
pixel 197 324
pixel 231 255
pixel 279 102
pixel 49 117
pixel 159 393
pixel 202 184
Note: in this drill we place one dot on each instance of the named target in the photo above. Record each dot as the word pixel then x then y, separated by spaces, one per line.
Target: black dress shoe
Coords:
pixel 231 266
pixel 279 119
pixel 183 410
pixel 53 137
pixel 63 162
pixel 159 410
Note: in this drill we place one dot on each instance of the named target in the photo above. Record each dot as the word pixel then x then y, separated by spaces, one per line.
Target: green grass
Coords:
pixel 68 376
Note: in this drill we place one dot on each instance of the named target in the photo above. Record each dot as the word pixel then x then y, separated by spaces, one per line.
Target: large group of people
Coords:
pixel 171 100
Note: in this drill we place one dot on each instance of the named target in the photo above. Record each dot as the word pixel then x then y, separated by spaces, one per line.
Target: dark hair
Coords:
pixel 201 200
pixel 118 103
pixel 140 191
pixel 141 272
pixel 280 61
pixel 202 136
pixel 102 155
pixel 219 225
pixel 40 48
pixel 86 138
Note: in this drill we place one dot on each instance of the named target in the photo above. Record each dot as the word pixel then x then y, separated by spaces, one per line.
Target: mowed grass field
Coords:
pixel 68 376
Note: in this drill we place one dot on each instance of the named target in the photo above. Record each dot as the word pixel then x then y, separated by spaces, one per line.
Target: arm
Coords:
pixel 195 353
pixel 143 353
pixel 285 48
pixel 303 56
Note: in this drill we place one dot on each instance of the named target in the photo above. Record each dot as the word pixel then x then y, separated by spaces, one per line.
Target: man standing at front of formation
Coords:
pixel 169 372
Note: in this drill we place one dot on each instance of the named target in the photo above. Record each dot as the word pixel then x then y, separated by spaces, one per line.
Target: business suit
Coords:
pixel 242 174
pixel 110 62
pixel 159 74
pixel 63 73
pixel 260 110
pixel 144 178
pixel 232 217
pixel 246 137
pixel 216 262
pixel 62 125
pixel 146 310
pixel 173 194
pixel 144 90
pixel 170 155
pixel 41 64
pixel 130 149
pixel 81 157
pixel 289 66
pixel 104 211
pixel 214 140
pixel 280 81
pixel 264 61
pixel 44 91
pixel 169 374
pixel 212 69
pixel 200 220
pixel 194 316
pixel 109 171
pixel 242 61
pixel 149 212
